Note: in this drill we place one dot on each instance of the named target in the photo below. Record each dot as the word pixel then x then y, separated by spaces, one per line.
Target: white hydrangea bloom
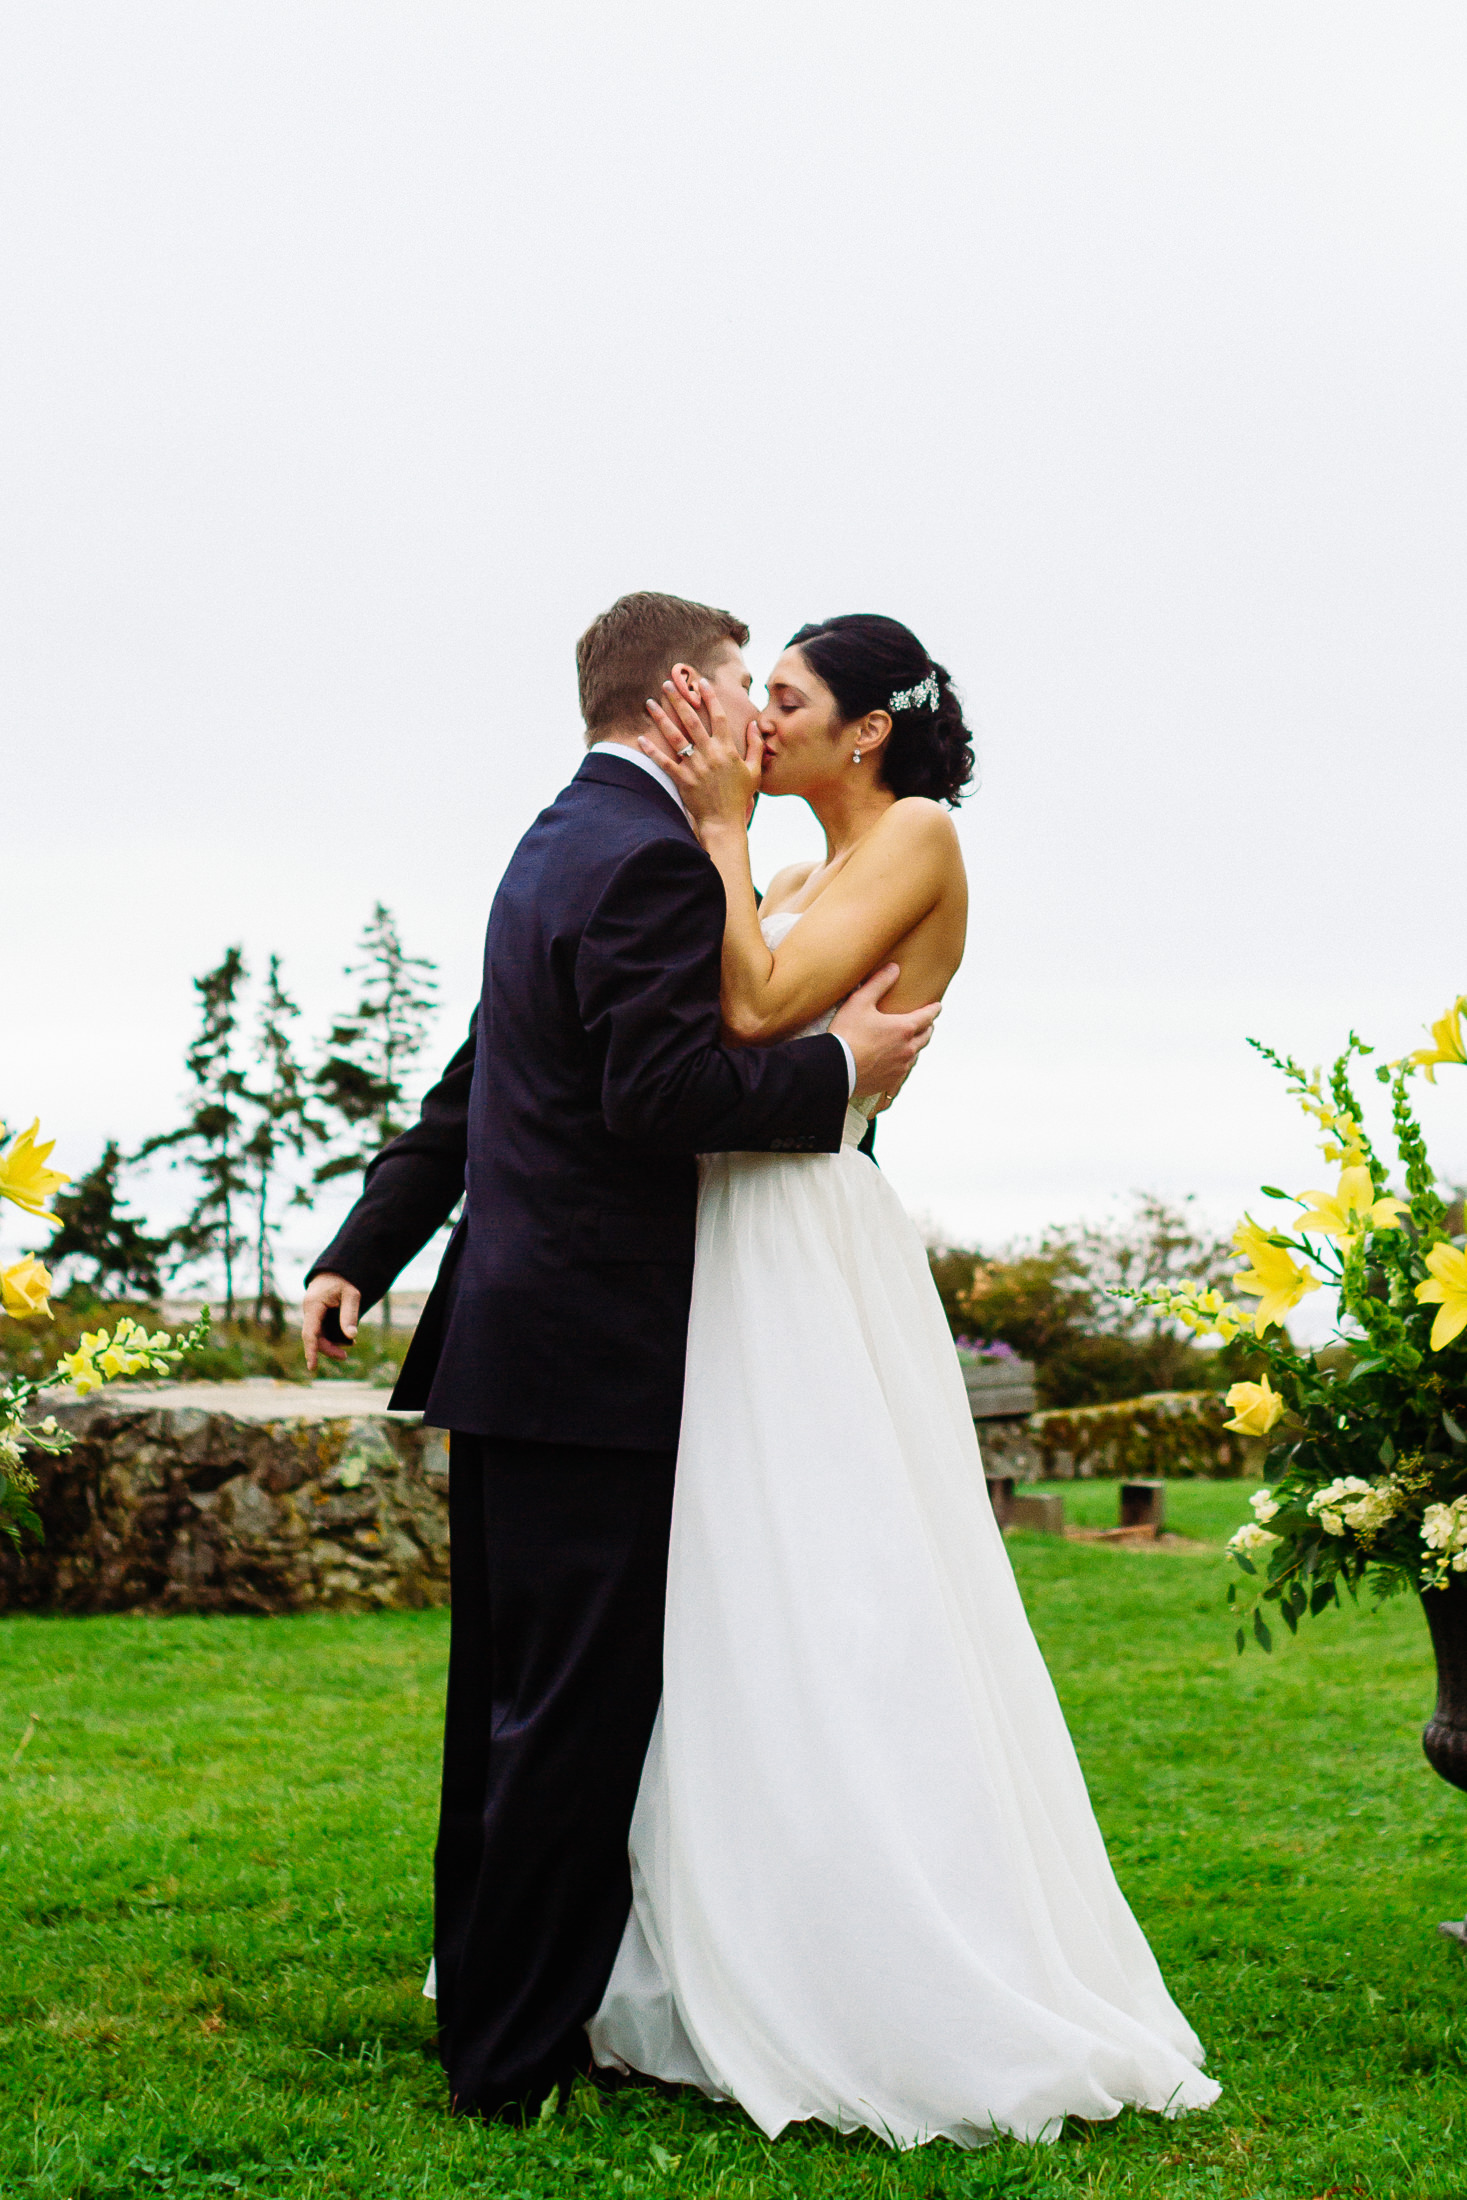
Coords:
pixel 1251 1537
pixel 1328 1504
pixel 1444 1527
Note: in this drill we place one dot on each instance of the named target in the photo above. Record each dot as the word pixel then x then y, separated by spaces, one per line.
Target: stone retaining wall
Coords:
pixel 237 1497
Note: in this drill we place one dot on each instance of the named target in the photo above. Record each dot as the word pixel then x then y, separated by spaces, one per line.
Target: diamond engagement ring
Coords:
pixel 686 750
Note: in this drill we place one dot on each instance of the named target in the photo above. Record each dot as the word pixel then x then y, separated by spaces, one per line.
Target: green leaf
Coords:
pixel 1271 1191
pixel 1325 1593
pixel 1260 1629
pixel 1387 1452
pixel 549 2106
pixel 1453 1428
pixel 1241 1559
pixel 1239 1638
pixel 661 2159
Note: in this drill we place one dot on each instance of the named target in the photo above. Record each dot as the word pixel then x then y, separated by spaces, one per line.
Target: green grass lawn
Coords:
pixel 214 1870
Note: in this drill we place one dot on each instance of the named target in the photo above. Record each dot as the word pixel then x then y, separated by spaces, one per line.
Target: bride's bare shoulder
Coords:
pixel 784 886
pixel 916 823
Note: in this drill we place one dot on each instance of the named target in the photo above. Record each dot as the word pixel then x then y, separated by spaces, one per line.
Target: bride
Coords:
pixel 869 1886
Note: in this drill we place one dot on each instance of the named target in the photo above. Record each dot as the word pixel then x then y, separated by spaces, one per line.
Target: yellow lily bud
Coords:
pixel 26 1286
pixel 1256 1407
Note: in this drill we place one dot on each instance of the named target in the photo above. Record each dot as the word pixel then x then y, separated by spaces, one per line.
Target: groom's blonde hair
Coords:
pixel 626 654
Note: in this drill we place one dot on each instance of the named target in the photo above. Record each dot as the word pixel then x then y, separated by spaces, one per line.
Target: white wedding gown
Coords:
pixel 869 1885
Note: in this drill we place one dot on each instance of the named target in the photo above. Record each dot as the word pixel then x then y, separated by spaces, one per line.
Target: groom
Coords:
pixel 552 1346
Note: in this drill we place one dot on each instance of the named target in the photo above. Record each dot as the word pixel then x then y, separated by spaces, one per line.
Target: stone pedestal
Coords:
pixel 1046 1512
pixel 1143 1505
pixel 236 1497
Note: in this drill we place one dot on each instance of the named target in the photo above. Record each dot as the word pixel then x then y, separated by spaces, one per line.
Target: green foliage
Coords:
pixel 1368 1459
pixel 211 1137
pixel 216 1913
pixel 97 1229
pixel 284 1127
pixel 370 1050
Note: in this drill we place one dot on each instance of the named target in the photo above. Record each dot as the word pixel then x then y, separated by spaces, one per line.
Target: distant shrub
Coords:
pixel 1168 1433
pixel 1052 1303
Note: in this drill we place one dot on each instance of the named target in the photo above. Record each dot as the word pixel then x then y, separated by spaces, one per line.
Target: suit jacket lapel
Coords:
pixel 610 771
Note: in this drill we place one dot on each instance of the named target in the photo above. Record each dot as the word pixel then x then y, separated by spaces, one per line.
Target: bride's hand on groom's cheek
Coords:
pixel 714 770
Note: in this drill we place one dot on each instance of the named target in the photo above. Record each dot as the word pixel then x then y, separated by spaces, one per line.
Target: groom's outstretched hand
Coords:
pixel 885 1047
pixel 323 1294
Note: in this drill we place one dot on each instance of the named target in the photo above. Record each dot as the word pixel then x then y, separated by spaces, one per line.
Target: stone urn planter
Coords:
pixel 1444 1737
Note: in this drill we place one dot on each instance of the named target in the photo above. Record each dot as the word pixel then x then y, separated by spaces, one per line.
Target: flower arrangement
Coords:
pixel 101 1357
pixel 1368 1460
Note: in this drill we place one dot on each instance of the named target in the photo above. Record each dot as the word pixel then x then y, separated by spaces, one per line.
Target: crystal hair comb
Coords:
pixel 914 698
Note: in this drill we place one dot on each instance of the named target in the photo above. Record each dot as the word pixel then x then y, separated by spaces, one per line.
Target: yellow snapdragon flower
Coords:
pixel 26 1288
pixel 1446 1042
pixel 24 1176
pixel 1447 1289
pixel 81 1372
pixel 1350 1210
pixel 1275 1279
pixel 1256 1407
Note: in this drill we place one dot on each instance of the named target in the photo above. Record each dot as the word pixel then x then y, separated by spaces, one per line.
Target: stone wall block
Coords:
pixel 237 1497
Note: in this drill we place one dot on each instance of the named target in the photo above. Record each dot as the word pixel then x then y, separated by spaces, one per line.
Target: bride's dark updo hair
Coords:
pixel 868 663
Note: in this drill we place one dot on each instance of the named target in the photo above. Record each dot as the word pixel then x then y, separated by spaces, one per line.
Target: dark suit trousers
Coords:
pixel 559 1570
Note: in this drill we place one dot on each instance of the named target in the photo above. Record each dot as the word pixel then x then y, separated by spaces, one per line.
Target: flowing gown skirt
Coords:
pixel 869 1885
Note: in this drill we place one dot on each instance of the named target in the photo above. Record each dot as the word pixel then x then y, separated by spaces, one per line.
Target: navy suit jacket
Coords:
pixel 570 1120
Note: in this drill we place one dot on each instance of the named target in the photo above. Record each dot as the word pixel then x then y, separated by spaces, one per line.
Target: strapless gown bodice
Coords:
pixel 859 1113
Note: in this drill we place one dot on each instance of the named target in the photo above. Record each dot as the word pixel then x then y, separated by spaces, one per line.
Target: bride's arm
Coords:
pixel 892 881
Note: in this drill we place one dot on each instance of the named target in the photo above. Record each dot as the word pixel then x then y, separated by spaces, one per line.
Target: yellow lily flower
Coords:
pixel 1446 1042
pixel 26 1288
pixel 1447 1289
pixel 1256 1407
pixel 1351 1210
pixel 24 1176
pixel 1275 1278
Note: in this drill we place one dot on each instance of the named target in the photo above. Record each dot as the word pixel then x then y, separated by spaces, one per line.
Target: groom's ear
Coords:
pixel 685 680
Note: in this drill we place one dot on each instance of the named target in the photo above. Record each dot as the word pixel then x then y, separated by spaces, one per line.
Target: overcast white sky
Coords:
pixel 355 355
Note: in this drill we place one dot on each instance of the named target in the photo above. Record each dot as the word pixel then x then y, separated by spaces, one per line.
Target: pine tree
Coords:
pixel 284 1126
pixel 370 1050
pixel 211 1138
pixel 96 1227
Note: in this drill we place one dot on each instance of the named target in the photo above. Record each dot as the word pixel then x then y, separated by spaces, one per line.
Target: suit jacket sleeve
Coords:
pixel 647 975
pixel 411 1188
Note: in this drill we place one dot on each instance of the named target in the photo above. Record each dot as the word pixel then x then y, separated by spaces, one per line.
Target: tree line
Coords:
pixel 262 1128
